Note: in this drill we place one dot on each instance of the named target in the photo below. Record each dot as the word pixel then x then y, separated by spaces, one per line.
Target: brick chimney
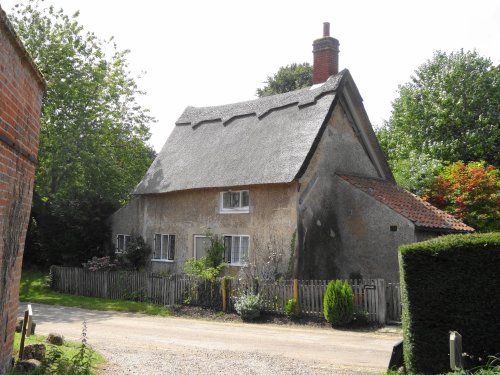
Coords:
pixel 326 56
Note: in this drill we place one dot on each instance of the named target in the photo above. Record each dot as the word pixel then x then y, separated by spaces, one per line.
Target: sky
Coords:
pixel 203 53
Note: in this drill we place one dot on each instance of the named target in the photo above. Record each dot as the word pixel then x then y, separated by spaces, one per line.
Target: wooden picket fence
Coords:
pixel 393 296
pixel 370 295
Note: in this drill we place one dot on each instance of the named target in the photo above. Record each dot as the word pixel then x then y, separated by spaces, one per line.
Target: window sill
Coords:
pixel 162 260
pixel 234 211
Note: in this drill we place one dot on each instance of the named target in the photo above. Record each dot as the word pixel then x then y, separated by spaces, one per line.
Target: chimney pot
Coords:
pixel 326 29
pixel 326 56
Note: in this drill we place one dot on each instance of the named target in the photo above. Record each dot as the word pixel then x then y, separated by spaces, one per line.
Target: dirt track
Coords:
pixel 139 344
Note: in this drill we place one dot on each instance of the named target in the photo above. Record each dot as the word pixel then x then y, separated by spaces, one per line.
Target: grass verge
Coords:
pixel 68 350
pixel 33 289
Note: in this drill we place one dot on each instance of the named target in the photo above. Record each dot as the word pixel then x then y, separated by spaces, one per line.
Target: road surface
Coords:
pixel 141 344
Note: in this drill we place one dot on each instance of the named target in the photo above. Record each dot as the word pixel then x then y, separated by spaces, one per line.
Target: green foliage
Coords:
pixel 450 283
pixel 33 289
pixel 200 268
pixel 137 253
pixel 288 78
pixel 72 358
pixel 454 242
pixel 93 134
pixel 215 253
pixel 68 230
pixel 338 303
pixel 56 363
pixel 470 192
pixel 291 308
pixel 448 111
pixel 93 131
pixel 416 172
pixel 209 266
pixel 248 306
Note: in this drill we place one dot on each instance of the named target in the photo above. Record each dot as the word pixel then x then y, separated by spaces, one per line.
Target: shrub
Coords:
pixel 291 308
pixel 450 283
pixel 100 264
pixel 209 266
pixel 137 253
pixel 80 364
pixel 470 193
pixel 248 306
pixel 338 303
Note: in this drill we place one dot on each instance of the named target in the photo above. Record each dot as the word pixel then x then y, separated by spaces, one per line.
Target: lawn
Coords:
pixel 33 289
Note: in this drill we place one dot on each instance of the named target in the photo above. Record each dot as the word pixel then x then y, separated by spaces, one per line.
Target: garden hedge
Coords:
pixel 450 283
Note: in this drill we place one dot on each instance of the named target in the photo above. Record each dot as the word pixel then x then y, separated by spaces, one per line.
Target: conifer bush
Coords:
pixel 338 305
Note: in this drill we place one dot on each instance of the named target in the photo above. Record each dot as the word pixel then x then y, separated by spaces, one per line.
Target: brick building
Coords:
pixel 21 92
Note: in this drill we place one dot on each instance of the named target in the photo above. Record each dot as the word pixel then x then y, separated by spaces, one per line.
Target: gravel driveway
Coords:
pixel 140 344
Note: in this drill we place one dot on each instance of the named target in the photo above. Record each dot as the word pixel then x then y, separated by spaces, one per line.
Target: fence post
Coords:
pixel 381 301
pixel 23 334
pixel 224 295
pixel 105 284
pixel 296 295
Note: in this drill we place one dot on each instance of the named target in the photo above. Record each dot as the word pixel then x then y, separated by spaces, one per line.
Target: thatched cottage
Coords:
pixel 298 176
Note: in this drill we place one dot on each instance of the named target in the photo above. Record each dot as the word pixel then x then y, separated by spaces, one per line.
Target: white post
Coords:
pixel 30 321
pixel 381 301
pixel 456 351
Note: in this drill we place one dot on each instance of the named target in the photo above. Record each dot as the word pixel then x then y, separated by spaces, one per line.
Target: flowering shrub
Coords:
pixel 248 306
pixel 100 264
pixel 470 192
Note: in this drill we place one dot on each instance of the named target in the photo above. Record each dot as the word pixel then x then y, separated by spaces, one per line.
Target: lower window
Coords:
pixel 201 246
pixel 164 247
pixel 236 249
pixel 121 242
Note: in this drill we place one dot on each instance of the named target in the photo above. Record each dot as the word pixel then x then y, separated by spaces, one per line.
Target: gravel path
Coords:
pixel 139 344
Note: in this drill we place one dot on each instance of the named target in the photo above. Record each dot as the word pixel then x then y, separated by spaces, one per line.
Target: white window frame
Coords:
pixel 234 210
pixel 126 238
pixel 164 247
pixel 194 243
pixel 231 262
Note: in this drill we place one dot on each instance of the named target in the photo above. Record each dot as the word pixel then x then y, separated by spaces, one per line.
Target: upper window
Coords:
pixel 235 201
pixel 121 242
pixel 236 250
pixel 164 247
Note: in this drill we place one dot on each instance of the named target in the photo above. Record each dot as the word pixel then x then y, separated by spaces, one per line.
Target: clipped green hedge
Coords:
pixel 450 283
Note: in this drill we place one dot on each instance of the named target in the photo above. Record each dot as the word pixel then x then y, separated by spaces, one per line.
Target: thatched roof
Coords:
pixel 263 141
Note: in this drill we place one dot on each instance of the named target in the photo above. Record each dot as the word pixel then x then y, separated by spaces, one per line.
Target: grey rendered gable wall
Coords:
pixel 364 242
pixel 339 149
pixel 129 219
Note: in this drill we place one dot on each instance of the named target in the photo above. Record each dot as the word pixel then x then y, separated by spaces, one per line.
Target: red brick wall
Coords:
pixel 326 59
pixel 21 92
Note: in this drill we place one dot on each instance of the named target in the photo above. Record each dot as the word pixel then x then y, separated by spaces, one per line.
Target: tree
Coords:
pixel 288 78
pixel 93 135
pixel 470 192
pixel 448 111
pixel 416 173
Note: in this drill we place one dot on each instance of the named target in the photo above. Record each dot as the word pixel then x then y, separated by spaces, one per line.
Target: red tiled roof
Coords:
pixel 421 213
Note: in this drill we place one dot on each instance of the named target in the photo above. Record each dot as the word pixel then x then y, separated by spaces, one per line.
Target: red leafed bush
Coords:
pixel 470 192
